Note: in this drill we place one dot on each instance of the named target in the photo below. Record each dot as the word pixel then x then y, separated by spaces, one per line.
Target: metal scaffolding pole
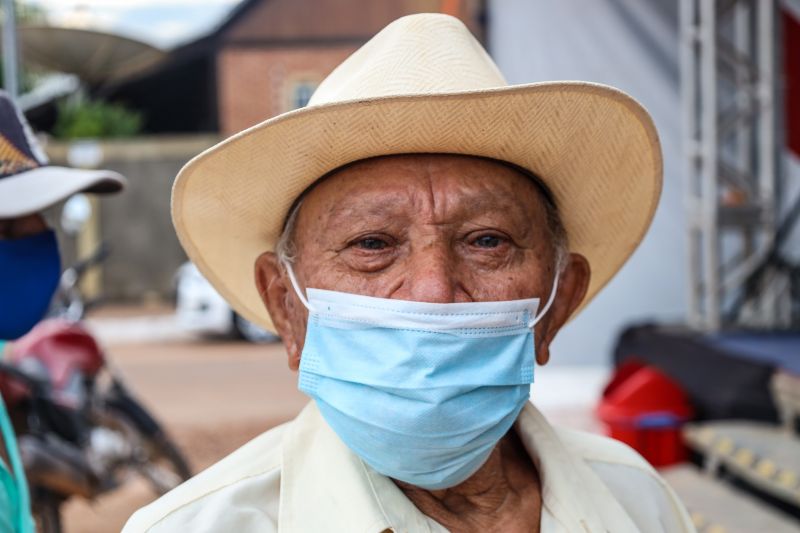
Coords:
pixel 10 57
pixel 727 51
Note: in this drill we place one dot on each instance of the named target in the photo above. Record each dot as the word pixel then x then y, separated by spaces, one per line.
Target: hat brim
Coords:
pixel 593 146
pixel 37 189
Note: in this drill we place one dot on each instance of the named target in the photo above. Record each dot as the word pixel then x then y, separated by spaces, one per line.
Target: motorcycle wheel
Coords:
pixel 166 467
pixel 158 458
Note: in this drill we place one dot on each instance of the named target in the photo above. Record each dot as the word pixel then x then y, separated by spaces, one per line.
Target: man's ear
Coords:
pixel 275 295
pixel 572 286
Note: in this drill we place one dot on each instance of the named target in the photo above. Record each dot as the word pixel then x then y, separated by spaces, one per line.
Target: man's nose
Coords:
pixel 431 275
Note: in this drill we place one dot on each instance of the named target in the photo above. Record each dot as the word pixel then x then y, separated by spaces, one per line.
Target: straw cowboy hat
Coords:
pixel 424 85
pixel 28 184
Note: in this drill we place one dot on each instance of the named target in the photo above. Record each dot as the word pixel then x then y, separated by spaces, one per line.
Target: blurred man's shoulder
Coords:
pixel 222 496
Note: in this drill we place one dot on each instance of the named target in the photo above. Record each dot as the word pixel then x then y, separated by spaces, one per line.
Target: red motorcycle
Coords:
pixel 80 430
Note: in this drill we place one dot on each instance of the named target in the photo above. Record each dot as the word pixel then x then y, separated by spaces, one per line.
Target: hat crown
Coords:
pixel 426 53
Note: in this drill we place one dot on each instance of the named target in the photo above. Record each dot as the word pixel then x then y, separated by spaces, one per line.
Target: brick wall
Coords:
pixel 275 45
pixel 270 20
pixel 257 83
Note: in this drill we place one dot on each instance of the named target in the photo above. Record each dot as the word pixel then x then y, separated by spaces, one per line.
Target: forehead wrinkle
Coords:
pixel 483 199
pixel 400 198
pixel 373 207
pixel 479 191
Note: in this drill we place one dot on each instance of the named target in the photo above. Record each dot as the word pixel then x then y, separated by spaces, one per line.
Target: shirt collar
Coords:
pixel 326 487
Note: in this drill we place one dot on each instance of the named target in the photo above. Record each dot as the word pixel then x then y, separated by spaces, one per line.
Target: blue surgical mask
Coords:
pixel 29 272
pixel 421 392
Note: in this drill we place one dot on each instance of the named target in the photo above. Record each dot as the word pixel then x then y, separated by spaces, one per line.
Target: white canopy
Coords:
pixel 95 57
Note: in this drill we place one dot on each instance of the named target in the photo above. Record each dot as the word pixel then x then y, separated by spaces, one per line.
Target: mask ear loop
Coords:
pixel 296 286
pixel 550 300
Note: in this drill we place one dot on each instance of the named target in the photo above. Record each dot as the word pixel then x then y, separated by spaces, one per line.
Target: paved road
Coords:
pixel 212 396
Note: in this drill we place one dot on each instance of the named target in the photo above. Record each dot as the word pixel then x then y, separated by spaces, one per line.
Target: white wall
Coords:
pixel 539 40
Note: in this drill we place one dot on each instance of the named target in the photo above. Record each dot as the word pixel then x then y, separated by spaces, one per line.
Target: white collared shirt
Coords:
pixel 300 477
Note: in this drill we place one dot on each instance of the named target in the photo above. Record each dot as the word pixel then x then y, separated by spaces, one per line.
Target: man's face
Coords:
pixel 429 228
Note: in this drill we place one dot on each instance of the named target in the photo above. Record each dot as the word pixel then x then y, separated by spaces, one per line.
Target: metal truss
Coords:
pixel 731 152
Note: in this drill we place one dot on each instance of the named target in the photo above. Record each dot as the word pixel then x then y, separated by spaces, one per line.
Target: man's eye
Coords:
pixel 371 243
pixel 487 241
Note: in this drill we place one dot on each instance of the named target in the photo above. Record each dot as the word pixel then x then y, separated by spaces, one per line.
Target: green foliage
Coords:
pixel 30 13
pixel 79 119
pixel 27 13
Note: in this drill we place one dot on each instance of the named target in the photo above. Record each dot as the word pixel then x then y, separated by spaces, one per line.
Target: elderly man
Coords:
pixel 419 234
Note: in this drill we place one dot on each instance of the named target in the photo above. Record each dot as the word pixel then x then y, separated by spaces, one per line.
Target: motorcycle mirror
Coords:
pixel 76 212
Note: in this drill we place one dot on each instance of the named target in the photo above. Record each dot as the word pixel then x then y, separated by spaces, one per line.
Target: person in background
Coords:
pixel 30 268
